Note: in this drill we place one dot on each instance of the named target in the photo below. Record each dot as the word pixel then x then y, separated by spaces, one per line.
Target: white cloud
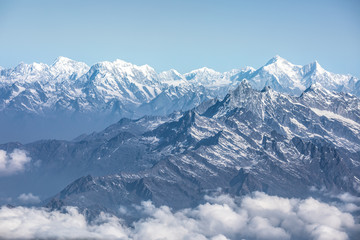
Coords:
pixel 31 223
pixel 14 162
pixel 347 197
pixel 28 198
pixel 258 216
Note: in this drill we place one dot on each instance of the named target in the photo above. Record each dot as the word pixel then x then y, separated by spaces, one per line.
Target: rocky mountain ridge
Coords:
pixel 252 140
pixel 80 98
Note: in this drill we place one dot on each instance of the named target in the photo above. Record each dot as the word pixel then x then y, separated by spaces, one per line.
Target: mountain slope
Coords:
pixel 77 98
pixel 283 76
pixel 251 140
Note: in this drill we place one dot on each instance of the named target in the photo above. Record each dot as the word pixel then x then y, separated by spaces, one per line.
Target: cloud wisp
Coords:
pixel 258 216
pixel 14 162
pixel 28 198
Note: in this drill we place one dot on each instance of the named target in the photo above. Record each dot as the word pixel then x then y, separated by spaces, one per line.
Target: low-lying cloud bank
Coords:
pixel 11 163
pixel 258 216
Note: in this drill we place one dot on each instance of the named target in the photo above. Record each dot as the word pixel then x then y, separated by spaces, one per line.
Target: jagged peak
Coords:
pixel 316 66
pixel 62 59
pixel 248 69
pixel 203 70
pixel 69 66
pixel 119 63
pixel 122 63
pixel 190 114
pixel 315 87
pixel 244 87
pixel 276 59
pixel 22 66
pixel 313 68
pixel 172 71
pixel 147 67
pixel 266 89
pixel 279 63
pixel 244 84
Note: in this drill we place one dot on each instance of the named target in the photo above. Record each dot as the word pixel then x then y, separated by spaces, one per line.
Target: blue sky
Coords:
pixel 183 34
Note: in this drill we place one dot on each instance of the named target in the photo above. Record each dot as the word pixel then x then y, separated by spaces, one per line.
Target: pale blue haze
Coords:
pixel 183 35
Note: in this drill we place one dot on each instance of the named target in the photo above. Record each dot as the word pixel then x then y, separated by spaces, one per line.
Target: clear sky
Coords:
pixel 183 35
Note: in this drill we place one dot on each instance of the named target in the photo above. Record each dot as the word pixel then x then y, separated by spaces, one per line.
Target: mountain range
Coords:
pixel 68 98
pixel 251 140
pixel 272 153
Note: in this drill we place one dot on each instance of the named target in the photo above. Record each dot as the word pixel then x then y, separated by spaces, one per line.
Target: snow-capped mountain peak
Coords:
pixel 207 77
pixel 248 69
pixel 244 84
pixel 122 63
pixel 203 70
pixel 202 74
pixel 315 87
pixel 24 68
pixel 317 66
pixel 122 67
pixel 315 73
pixel 314 68
pixel 62 60
pixel 280 74
pixel 129 90
pixel 171 74
pixel 281 66
pixel 67 66
pixel 276 59
pixel 245 93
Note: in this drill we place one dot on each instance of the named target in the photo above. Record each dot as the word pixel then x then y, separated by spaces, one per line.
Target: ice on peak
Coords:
pixel 62 62
pixel 206 69
pixel 313 67
pixel 39 66
pixel 243 94
pixel 27 68
pixel 172 73
pixel 316 90
pixel 243 85
pixel 316 66
pixel 315 87
pixel 281 67
pixel 279 63
pixel 147 67
pixel 62 59
pixel 67 66
pixel 204 75
pixel 276 59
pixel 118 63
pixel 203 70
pixel 110 65
pixel 122 63
pixel 248 69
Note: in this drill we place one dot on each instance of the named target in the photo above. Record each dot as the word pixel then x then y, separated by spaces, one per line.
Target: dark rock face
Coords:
pixel 250 141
